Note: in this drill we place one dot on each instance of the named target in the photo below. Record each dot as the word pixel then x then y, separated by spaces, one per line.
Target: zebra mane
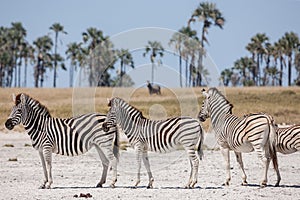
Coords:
pixel 32 102
pixel 216 93
pixel 123 102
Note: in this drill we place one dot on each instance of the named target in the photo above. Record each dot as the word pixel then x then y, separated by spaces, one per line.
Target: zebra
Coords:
pixel 153 89
pixel 253 132
pixel 72 136
pixel 156 135
pixel 287 140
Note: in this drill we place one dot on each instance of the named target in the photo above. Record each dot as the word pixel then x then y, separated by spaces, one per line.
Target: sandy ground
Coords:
pixel 74 175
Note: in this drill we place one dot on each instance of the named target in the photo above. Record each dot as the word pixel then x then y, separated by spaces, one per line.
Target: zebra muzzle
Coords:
pixel 105 127
pixel 9 125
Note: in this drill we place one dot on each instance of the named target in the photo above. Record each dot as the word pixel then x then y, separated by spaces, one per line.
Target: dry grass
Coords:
pixel 281 103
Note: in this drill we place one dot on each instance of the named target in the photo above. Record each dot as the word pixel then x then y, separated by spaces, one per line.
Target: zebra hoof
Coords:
pixel 263 185
pixel 99 185
pixel 42 187
pixel 244 183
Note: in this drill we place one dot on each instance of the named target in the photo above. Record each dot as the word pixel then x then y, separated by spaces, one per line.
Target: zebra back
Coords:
pixel 288 139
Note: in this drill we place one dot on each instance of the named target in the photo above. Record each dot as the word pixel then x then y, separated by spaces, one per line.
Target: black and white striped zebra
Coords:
pixel 156 135
pixel 72 136
pixel 288 139
pixel 253 132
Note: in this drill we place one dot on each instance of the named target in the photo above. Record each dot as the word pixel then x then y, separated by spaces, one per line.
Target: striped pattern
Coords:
pixel 288 139
pixel 70 137
pixel 158 136
pixel 253 132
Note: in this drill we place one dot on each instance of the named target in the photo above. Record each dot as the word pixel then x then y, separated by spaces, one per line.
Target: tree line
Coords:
pixel 97 52
pixel 268 62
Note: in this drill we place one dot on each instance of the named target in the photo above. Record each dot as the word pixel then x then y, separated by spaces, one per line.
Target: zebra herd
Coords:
pixel 77 135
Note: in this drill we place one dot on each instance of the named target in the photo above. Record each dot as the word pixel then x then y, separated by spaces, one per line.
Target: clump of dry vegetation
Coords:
pixel 280 102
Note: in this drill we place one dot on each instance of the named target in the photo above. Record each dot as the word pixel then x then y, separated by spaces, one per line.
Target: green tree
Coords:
pixel 207 14
pixel 56 28
pixel 290 43
pixel 190 35
pixel 257 47
pixel 73 53
pixel 245 65
pixel 125 60
pixel 43 47
pixel 154 48
pixel 226 75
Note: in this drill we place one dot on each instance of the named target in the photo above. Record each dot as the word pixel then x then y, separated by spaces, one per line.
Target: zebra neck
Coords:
pixel 130 124
pixel 36 127
pixel 219 113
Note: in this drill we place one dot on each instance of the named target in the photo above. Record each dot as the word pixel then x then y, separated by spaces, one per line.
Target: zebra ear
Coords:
pixel 108 102
pixel 23 99
pixel 13 97
pixel 205 93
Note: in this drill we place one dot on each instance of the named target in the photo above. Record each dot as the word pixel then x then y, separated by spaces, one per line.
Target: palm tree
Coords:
pixel 245 65
pixel 279 54
pixel 257 47
pixel 208 14
pixel 27 54
pixel 44 58
pixel 154 48
pixel 290 42
pixel 17 36
pixel 226 75
pixel 93 38
pixel 73 53
pixel 186 51
pixel 125 60
pixel 57 28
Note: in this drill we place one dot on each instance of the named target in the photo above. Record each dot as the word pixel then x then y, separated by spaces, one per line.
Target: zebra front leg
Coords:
pixel 44 169
pixel 47 153
pixel 226 155
pixel 138 151
pixel 147 166
pixel 240 161
pixel 105 164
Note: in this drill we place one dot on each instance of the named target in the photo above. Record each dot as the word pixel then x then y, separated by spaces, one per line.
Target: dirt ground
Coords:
pixel 21 175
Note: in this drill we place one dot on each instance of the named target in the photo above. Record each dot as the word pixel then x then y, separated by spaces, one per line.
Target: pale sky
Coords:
pixel 244 18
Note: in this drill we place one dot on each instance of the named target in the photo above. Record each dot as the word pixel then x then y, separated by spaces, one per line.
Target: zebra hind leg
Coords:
pixel 240 161
pixel 194 163
pixel 105 164
pixel 147 166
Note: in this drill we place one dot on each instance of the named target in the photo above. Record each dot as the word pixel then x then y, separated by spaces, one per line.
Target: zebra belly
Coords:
pixel 244 148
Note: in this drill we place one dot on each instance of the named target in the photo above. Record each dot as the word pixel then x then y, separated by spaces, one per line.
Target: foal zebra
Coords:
pixel 253 132
pixel 158 136
pixel 72 136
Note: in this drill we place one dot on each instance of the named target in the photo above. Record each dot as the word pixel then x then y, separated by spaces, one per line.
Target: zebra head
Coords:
pixel 18 112
pixel 205 110
pixel 111 118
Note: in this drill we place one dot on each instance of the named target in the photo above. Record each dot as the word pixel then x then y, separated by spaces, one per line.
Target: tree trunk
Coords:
pixel 289 70
pixel 180 69
pixel 55 60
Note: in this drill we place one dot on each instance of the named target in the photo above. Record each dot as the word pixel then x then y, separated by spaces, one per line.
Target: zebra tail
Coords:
pixel 272 145
pixel 116 148
pixel 199 144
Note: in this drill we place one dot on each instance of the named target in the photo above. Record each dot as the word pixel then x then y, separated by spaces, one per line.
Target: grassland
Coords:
pixel 281 103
